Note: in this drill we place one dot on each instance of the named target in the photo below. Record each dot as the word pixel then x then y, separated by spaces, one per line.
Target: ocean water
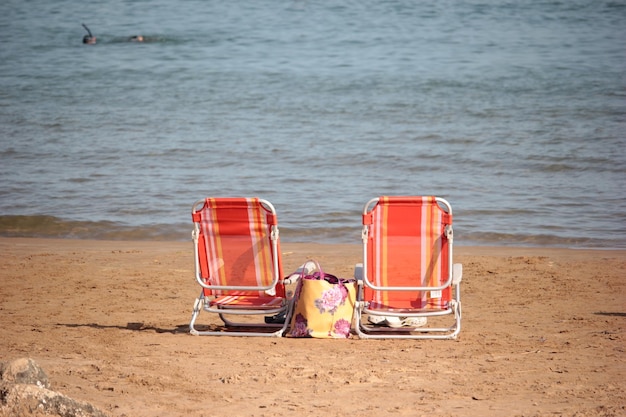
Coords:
pixel 513 111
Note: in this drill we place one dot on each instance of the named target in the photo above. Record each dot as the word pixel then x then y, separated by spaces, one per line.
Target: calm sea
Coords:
pixel 513 111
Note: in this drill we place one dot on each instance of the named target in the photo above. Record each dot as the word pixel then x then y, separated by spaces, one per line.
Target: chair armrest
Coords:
pixel 307 268
pixel 358 272
pixel 292 279
pixel 457 274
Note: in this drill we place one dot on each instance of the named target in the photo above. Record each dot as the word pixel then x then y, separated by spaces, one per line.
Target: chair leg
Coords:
pixel 197 307
pixel 364 331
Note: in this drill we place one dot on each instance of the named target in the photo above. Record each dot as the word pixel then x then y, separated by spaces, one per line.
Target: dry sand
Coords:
pixel 543 335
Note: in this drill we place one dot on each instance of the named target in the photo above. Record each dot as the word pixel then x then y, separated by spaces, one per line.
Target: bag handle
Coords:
pixel 312 265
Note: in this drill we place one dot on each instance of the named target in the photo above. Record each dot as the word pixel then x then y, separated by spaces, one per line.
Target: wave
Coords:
pixel 535 240
pixel 44 226
pixel 55 227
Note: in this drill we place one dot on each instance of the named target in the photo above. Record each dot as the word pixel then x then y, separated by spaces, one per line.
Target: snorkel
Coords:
pixel 88 39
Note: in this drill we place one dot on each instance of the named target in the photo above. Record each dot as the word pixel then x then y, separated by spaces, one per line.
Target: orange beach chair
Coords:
pixel 408 285
pixel 238 266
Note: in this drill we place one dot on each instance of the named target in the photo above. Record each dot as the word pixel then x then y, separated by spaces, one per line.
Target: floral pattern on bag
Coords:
pixel 342 327
pixel 331 299
pixel 299 328
pixel 329 303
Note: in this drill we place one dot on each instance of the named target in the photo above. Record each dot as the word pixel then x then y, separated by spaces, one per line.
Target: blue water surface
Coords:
pixel 512 111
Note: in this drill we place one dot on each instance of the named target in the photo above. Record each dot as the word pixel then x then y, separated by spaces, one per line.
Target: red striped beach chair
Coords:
pixel 408 285
pixel 238 266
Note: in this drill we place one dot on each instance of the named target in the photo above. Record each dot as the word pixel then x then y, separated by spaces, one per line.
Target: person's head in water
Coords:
pixel 137 38
pixel 88 39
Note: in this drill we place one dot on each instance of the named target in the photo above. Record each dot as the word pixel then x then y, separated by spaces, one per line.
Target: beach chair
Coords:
pixel 238 266
pixel 408 285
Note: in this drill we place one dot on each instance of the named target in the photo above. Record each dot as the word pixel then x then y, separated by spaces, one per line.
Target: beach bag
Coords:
pixel 324 305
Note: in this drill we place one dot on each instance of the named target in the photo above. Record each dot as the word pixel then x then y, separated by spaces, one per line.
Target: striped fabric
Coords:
pixel 407 247
pixel 235 249
pixel 246 302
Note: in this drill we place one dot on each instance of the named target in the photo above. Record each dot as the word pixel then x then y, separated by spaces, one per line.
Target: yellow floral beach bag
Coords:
pixel 324 306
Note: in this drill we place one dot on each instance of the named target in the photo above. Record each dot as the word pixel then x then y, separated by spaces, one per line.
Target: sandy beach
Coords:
pixel 543 335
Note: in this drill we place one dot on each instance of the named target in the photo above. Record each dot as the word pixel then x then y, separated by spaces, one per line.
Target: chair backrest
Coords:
pixel 237 246
pixel 407 245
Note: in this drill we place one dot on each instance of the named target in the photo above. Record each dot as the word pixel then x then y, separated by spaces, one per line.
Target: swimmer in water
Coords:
pixel 88 39
pixel 137 38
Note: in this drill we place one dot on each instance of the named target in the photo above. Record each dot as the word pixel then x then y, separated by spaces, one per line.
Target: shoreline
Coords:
pixel 543 333
pixel 459 249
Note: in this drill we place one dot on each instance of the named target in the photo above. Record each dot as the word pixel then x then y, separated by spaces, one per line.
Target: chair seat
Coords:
pixel 247 302
pixel 407 306
pixel 400 312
